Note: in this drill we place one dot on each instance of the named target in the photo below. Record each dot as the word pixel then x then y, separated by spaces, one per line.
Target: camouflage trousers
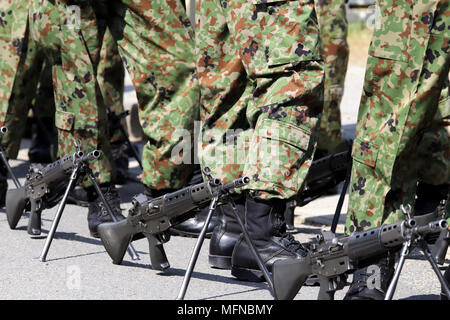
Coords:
pixel 333 35
pixel 155 40
pixel 67 38
pixel 407 71
pixel 261 79
pixel 26 88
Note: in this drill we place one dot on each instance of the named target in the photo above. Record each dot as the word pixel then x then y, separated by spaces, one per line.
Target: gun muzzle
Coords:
pixel 238 183
pixel 116 236
pixel 91 156
pixel 431 227
pixel 16 200
pixel 3 130
pixel 289 275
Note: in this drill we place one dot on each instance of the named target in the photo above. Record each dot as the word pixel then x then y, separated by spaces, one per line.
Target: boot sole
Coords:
pixel 177 233
pixel 71 200
pixel 220 262
pixel 251 275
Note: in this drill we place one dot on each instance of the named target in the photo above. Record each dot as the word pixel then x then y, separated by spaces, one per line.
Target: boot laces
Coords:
pixel 287 239
pixel 112 197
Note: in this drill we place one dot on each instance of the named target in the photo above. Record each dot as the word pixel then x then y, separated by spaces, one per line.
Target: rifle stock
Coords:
pixel 16 201
pixel 289 275
pixel 116 236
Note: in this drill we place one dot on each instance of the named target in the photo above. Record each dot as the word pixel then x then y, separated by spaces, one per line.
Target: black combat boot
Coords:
pixel 267 228
pixel 40 149
pixel 3 184
pixel 225 234
pixel 447 278
pixel 193 226
pixel 371 283
pixel 78 196
pixel 97 213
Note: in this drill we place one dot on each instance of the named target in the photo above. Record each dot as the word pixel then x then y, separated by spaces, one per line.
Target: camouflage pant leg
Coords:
pixel 406 71
pixel 72 43
pixel 333 26
pixel 110 76
pixel 280 91
pixel 13 23
pixel 45 100
pixel 155 40
pixel 23 92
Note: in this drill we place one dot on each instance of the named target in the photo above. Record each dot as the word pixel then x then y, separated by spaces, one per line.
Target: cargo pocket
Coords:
pixel 276 155
pixel 278 33
pixel 64 120
pixel 365 152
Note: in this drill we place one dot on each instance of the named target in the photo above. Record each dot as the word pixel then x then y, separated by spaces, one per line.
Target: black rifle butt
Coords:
pixel 288 277
pixel 116 236
pixel 16 200
pixel 158 257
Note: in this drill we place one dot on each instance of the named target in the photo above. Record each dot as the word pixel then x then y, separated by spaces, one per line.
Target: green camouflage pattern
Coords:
pixel 110 76
pixel 156 43
pixel 68 39
pixel 407 70
pixel 333 25
pixel 261 80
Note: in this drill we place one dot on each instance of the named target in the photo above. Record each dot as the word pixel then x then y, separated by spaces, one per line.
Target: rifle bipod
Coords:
pixel 78 171
pixel 406 249
pixel 201 238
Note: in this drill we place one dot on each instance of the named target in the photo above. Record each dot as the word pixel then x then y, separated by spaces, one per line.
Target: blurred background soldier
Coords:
pixel 156 43
pixel 407 70
pixel 333 26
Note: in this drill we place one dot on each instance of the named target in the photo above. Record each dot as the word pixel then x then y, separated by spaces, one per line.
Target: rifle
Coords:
pixel 42 189
pixel 331 257
pixel 151 217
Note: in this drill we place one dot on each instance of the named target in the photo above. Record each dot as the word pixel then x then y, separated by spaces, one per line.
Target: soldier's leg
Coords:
pixel 402 87
pixel 72 41
pixel 13 45
pixel 111 77
pixel 278 78
pixel 156 43
pixel 333 34
pixel 433 161
pixel 21 65
pixel 43 139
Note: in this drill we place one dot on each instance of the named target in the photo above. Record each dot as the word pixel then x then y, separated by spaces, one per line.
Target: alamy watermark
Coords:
pixel 73 17
pixel 73 277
